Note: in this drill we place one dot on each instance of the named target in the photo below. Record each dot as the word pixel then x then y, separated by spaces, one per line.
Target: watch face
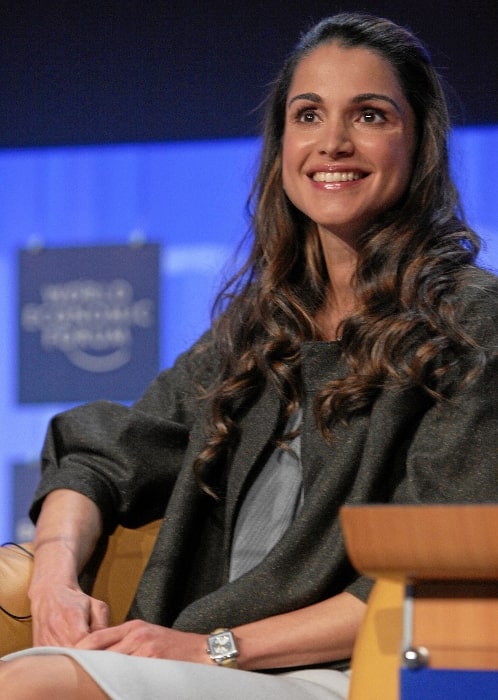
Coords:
pixel 221 644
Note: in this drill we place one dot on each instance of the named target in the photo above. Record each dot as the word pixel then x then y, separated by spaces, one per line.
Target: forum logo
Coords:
pixel 90 321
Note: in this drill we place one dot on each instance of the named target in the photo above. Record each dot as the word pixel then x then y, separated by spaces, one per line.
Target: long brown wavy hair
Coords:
pixel 410 266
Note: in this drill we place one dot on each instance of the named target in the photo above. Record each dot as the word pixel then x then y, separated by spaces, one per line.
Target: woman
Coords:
pixel 352 360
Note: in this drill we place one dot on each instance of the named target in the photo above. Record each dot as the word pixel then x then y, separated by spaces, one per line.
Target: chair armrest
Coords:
pixel 126 555
pixel 377 652
pixel 15 574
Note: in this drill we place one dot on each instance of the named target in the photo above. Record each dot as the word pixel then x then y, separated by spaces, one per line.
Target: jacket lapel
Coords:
pixel 262 418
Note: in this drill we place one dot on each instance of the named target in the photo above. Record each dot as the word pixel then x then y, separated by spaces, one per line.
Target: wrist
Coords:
pixel 55 562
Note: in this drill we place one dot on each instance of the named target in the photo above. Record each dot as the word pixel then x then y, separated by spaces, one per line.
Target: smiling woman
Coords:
pixel 252 442
pixel 347 153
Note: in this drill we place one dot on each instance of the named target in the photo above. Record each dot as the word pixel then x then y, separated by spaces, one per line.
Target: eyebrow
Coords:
pixel 376 96
pixel 314 97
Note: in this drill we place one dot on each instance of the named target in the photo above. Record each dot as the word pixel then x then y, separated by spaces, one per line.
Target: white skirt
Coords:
pixel 124 677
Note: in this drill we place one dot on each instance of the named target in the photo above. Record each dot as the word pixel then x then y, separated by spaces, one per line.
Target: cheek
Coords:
pixel 405 166
pixel 405 155
pixel 398 162
pixel 286 152
pixel 294 150
pixel 287 163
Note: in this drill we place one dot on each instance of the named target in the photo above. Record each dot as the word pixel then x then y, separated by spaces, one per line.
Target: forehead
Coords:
pixel 332 68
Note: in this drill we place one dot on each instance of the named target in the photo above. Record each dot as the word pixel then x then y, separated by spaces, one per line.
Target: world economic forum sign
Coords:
pixel 88 323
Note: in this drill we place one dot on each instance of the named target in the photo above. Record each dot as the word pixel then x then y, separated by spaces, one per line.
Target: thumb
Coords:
pixel 99 615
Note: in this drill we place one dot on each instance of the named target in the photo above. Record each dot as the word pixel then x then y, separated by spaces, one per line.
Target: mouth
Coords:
pixel 344 176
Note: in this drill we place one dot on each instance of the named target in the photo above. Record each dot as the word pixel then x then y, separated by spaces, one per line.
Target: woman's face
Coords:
pixel 348 141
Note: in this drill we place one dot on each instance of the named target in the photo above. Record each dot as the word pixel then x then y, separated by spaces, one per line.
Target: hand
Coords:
pixel 63 615
pixel 67 531
pixel 139 638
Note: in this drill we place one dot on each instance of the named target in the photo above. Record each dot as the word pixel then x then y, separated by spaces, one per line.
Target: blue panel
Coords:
pixel 435 684
pixel 187 196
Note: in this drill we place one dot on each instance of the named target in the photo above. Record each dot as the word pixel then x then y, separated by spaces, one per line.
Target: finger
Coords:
pixel 102 638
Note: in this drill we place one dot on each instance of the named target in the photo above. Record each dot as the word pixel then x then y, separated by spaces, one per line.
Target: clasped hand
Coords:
pixel 65 616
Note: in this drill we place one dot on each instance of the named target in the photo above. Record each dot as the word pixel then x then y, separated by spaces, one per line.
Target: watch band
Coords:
pixel 222 648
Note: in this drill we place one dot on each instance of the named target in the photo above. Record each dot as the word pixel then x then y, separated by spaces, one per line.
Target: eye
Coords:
pixel 306 115
pixel 372 115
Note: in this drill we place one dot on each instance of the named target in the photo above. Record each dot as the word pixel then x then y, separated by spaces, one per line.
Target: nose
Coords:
pixel 336 139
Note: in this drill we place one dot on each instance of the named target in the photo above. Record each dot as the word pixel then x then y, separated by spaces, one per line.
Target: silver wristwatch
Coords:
pixel 222 648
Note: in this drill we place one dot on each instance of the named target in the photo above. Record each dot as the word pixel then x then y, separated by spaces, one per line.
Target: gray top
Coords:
pixel 271 504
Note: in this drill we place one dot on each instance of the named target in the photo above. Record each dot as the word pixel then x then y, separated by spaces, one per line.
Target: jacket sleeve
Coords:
pixel 126 459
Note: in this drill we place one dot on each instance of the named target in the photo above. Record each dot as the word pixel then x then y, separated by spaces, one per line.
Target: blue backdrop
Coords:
pixel 187 196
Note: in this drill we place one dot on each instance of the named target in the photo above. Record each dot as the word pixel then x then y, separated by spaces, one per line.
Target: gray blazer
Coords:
pixel 136 464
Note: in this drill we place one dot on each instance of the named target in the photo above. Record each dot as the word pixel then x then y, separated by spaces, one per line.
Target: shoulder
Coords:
pixel 479 283
pixel 176 392
pixel 198 363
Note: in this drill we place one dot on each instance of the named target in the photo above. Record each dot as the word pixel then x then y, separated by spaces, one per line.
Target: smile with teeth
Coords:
pixel 336 177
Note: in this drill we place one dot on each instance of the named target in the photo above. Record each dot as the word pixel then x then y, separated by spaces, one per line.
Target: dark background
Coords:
pixel 98 72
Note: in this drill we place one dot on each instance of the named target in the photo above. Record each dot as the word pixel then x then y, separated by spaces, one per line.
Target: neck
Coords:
pixel 340 259
pixel 333 313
